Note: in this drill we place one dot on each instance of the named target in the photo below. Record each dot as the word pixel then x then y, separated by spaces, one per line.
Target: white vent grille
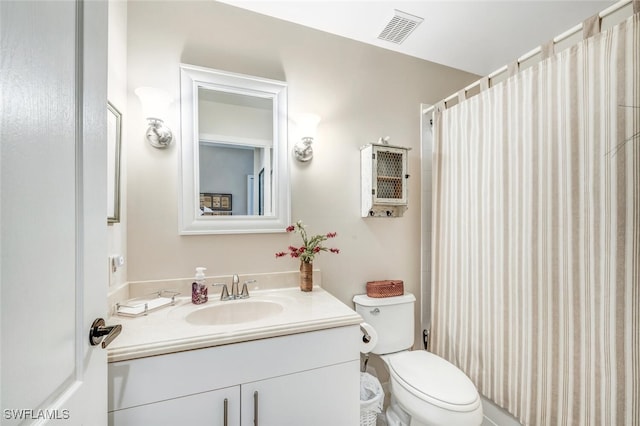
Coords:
pixel 399 27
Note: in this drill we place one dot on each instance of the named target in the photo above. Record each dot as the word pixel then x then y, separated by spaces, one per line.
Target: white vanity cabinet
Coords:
pixel 215 408
pixel 320 397
pixel 309 378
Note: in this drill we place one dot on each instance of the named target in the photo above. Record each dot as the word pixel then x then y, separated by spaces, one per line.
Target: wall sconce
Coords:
pixel 155 103
pixel 307 127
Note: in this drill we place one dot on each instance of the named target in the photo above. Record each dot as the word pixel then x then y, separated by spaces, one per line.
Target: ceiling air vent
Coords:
pixel 399 27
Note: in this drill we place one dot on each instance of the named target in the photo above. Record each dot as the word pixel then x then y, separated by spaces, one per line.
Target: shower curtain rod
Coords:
pixel 557 39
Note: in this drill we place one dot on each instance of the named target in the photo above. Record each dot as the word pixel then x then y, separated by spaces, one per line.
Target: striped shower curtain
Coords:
pixel 536 236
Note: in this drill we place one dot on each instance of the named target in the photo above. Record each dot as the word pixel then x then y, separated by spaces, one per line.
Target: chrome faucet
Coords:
pixel 245 290
pixel 235 293
pixel 234 286
pixel 224 294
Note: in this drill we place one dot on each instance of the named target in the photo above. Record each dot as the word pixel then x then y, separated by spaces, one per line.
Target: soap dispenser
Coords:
pixel 199 291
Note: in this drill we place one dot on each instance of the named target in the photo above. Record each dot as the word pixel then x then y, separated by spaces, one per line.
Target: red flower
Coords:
pixel 311 245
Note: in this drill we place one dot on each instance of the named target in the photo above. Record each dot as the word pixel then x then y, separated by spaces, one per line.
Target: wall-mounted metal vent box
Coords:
pixel 384 180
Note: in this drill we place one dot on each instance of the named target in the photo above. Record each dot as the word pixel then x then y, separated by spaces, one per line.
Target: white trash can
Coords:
pixel 371 399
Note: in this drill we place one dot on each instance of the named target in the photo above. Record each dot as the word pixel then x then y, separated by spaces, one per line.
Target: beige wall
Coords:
pixel 362 92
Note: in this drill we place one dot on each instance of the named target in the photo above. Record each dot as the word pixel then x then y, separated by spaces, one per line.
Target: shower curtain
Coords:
pixel 536 235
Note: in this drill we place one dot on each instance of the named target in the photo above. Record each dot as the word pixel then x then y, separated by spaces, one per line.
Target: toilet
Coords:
pixel 425 388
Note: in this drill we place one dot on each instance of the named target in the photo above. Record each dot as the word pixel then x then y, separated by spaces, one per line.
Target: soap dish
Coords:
pixel 145 304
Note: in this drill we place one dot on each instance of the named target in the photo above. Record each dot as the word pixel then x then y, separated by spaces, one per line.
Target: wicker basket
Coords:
pixel 385 288
pixel 368 418
pixel 371 399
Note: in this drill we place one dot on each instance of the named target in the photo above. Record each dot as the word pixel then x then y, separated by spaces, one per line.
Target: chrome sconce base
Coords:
pixel 303 150
pixel 158 135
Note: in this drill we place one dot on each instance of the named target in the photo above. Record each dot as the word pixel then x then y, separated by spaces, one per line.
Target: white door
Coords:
pixel 52 211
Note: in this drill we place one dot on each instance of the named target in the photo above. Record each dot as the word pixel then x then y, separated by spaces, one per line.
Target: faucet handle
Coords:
pixel 245 289
pixel 224 294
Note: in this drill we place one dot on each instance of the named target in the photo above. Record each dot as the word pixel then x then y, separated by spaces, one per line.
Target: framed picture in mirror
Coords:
pixel 114 136
pixel 215 204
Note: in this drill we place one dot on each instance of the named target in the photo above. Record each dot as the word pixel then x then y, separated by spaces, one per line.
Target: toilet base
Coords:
pixel 396 416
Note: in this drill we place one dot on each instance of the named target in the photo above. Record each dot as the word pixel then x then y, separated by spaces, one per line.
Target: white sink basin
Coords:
pixel 234 312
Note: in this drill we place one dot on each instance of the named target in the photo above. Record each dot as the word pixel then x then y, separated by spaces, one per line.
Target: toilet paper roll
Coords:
pixel 369 338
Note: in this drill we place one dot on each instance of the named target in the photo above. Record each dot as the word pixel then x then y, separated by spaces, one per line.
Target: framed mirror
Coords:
pixel 235 173
pixel 114 136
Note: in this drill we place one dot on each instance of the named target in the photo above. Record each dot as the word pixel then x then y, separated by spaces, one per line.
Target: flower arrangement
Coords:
pixel 310 245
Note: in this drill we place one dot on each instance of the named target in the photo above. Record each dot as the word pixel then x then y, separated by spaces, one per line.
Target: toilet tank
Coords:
pixel 391 317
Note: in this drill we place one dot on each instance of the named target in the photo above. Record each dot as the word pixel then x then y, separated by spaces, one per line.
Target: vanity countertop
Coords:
pixel 166 330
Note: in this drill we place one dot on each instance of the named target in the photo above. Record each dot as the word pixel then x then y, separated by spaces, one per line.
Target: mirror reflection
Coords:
pixel 235 153
pixel 235 175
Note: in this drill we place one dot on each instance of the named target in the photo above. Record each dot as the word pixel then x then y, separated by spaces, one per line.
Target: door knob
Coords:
pixel 99 330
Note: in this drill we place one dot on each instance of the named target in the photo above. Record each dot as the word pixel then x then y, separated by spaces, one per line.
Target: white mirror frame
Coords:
pixel 190 221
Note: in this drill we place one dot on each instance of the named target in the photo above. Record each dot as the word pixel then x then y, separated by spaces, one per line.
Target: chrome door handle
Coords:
pixel 99 330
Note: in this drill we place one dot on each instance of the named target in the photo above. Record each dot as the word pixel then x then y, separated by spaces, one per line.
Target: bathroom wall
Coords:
pixel 362 93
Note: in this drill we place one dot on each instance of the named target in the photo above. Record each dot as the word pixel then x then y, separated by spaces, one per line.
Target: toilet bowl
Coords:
pixel 426 388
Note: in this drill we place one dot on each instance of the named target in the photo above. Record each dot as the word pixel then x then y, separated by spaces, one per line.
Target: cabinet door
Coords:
pixel 319 397
pixel 207 408
pixel 389 171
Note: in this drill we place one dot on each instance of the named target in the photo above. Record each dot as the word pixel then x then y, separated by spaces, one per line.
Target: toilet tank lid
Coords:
pixel 364 300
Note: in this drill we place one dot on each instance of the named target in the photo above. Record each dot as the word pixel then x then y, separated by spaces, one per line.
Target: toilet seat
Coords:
pixel 433 379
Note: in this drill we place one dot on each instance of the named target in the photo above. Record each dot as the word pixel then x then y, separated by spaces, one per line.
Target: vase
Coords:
pixel 306 276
